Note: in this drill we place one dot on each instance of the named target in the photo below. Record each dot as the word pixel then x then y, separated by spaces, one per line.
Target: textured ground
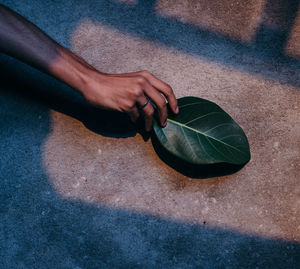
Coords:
pixel 80 190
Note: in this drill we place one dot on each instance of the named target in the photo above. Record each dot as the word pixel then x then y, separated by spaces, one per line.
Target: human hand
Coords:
pixel 123 92
pixel 129 92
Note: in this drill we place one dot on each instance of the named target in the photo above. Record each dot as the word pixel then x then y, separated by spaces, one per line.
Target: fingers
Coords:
pixel 159 101
pixel 164 88
pixel 148 112
pixel 134 114
pixel 161 86
pixel 139 85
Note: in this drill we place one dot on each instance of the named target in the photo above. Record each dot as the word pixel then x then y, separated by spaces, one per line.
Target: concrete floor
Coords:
pixel 81 189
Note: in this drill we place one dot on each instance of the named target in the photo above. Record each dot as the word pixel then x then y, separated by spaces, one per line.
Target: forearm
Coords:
pixel 23 40
pixel 122 92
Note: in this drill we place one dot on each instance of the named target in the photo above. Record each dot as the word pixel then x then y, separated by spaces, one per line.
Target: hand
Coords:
pixel 123 92
pixel 128 92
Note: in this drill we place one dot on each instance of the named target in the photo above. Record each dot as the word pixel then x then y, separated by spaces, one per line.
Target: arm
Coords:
pixel 122 92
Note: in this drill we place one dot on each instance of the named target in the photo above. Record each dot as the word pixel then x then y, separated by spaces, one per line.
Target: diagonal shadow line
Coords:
pixel 39 228
pixel 277 34
pixel 20 79
pixel 141 21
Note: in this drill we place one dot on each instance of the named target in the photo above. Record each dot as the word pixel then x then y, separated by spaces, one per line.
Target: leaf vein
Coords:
pixel 200 117
pixel 222 124
pixel 194 104
pixel 203 148
pixel 216 148
pixel 227 136
pixel 204 134
pixel 186 138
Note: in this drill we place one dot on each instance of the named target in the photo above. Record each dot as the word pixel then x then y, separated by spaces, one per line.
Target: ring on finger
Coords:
pixel 146 103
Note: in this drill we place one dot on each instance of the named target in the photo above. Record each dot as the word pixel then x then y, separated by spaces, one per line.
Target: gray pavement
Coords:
pixel 80 188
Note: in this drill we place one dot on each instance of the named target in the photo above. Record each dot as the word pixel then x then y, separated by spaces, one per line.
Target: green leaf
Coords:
pixel 203 133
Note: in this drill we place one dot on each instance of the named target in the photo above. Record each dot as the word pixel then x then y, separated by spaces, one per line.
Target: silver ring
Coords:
pixel 142 106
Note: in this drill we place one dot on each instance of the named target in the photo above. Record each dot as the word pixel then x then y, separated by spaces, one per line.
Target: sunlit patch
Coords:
pixel 127 174
pixel 236 19
pixel 293 43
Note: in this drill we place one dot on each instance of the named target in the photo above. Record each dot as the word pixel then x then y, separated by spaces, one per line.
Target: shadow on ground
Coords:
pixel 264 56
pixel 40 229
pixel 193 170
pixel 61 98
pixel 23 81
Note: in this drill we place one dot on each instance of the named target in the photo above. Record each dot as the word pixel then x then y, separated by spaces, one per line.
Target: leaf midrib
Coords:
pixel 190 128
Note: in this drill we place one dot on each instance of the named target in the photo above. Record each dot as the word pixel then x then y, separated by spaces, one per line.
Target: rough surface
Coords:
pixel 293 45
pixel 237 19
pixel 77 191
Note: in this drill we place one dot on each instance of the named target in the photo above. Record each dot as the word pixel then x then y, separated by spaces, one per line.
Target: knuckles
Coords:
pixel 137 91
pixel 140 80
pixel 162 104
pixel 127 107
pixel 168 90
pixel 149 112
pixel 145 73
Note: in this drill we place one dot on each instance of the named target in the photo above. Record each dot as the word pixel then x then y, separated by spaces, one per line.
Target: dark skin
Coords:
pixel 23 40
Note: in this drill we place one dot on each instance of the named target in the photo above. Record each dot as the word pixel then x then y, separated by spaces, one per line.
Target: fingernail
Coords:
pixel 177 110
pixel 165 124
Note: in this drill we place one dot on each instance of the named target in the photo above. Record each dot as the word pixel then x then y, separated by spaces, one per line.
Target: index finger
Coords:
pixel 163 88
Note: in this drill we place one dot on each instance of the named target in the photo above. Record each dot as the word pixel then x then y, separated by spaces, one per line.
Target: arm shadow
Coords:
pixel 37 86
pixel 29 83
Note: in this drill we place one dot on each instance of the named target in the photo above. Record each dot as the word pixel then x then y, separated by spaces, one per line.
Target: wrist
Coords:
pixel 73 70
